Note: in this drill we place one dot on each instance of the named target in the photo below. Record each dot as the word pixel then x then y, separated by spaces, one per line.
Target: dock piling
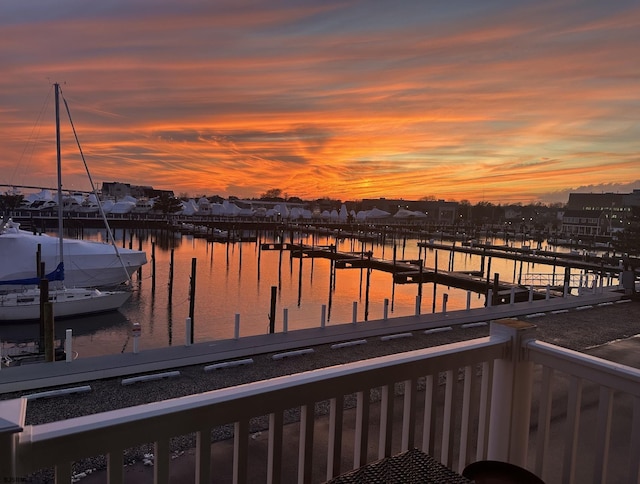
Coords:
pixel 272 313
pixel 49 331
pixel 192 295
pixel 68 350
pixel 188 332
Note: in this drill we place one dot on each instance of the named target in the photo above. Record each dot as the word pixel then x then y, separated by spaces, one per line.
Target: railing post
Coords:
pixel 323 316
pixel 385 311
pixel 68 350
pixel 188 331
pixel 468 300
pixel 11 424
pixel 354 319
pixel 136 331
pixel 285 320
pixel 236 332
pixel 511 394
pixel 418 304
pixel 445 298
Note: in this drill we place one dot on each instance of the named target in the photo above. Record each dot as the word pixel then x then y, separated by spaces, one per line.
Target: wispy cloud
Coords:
pixel 347 99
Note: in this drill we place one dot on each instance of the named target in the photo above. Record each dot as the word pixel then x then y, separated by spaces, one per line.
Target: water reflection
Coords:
pixel 236 278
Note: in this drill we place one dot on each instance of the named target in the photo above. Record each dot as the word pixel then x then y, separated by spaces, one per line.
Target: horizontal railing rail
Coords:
pixel 59 444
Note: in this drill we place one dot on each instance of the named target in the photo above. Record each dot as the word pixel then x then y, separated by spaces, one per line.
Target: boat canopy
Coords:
pixel 55 275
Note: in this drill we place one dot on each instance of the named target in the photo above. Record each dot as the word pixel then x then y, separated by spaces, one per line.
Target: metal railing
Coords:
pixel 586 282
pixel 459 402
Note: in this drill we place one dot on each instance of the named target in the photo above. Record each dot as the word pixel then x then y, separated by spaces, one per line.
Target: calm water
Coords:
pixel 237 278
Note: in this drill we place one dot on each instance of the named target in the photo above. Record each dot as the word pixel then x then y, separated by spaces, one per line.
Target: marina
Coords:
pixel 319 278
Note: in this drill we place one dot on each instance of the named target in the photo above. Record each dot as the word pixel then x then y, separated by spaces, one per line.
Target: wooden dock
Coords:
pixel 411 271
pixel 575 261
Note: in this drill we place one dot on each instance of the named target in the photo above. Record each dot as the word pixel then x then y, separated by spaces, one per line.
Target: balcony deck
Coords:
pixel 453 429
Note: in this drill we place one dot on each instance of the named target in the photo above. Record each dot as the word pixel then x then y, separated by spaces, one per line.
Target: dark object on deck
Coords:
pixel 410 467
pixel 496 472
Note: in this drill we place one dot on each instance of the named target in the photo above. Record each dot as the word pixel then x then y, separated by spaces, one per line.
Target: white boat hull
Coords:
pixel 25 305
pixel 87 264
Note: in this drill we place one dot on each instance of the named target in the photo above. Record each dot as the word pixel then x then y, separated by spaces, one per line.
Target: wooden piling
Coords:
pixel 520 273
pixel 192 297
pixel 44 298
pixel 171 276
pixel 49 350
pixel 435 281
pixel 140 268
pixel 272 312
pixel 39 261
pixel 153 266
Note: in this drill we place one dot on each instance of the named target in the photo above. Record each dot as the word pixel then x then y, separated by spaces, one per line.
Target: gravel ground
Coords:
pixel 576 329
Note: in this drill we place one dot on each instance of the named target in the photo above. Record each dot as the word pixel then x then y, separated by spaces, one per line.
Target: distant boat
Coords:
pixel 87 260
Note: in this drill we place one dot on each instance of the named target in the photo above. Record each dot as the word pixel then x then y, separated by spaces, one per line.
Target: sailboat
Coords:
pixel 24 304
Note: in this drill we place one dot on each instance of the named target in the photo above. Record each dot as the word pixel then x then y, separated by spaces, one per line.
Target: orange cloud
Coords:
pixel 339 99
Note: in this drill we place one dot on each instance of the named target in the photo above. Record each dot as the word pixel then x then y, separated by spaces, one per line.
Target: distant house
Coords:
pixel 437 211
pixel 609 209
pixel 583 223
pixel 118 190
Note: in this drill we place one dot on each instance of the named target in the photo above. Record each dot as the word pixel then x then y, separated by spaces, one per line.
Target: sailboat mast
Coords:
pixel 59 166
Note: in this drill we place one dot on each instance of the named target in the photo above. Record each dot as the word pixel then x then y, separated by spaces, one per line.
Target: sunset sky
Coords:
pixel 489 100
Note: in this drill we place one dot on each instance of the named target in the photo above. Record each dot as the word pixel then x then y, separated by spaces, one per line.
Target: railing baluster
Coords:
pixel 203 456
pixel 115 467
pixel 544 420
pixel 465 423
pixel 305 452
pixel 428 427
pixel 484 411
pixel 274 456
pixel 448 419
pixel 63 472
pixel 161 462
pixel 634 446
pixel 334 451
pixel 603 433
pixel 409 415
pixel 362 430
pixel 386 420
pixel 573 420
pixel 240 451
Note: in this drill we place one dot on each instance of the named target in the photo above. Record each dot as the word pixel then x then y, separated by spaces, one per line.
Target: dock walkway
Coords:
pixel 411 271
pixel 43 375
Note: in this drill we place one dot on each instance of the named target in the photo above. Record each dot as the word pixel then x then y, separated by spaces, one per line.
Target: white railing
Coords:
pixel 585 282
pixel 588 417
pixel 460 403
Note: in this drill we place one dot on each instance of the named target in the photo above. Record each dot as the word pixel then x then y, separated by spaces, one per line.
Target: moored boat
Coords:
pixel 67 302
pixel 87 263
pixel 20 251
